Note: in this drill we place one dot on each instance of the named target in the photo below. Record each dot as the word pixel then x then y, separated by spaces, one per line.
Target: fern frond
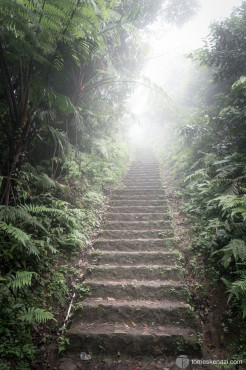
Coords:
pixel 35 315
pixel 40 209
pixel 240 211
pixel 236 289
pixel 201 173
pixel 15 233
pixel 236 248
pixel 100 146
pixel 60 102
pixel 226 171
pixel 20 280
pixel 59 137
pixel 44 181
pixel 16 215
pixel 243 307
pixel 62 215
pixel 52 249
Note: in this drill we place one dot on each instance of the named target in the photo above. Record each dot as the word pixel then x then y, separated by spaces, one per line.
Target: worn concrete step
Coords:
pixel 143 187
pixel 137 209
pixel 115 272
pixel 136 234
pixel 143 165
pixel 99 310
pixel 137 289
pixel 138 202
pixel 135 258
pixel 142 178
pixel 138 196
pixel 136 245
pixel 126 192
pixel 138 216
pixel 139 340
pixel 143 171
pixel 138 225
pixel 141 162
pixel 133 174
pixel 146 181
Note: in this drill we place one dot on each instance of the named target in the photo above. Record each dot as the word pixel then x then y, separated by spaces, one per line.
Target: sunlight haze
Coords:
pixel 169 44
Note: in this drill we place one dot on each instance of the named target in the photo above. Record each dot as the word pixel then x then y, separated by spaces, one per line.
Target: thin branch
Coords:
pixel 27 85
pixel 71 17
pixel 9 88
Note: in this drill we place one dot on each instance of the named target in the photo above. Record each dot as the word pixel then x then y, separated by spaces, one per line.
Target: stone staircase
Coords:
pixel 137 305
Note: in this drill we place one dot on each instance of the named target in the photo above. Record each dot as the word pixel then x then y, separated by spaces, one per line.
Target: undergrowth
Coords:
pixel 40 238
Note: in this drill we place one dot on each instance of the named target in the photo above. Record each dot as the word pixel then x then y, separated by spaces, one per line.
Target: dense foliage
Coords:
pixel 65 71
pixel 208 152
pixel 61 146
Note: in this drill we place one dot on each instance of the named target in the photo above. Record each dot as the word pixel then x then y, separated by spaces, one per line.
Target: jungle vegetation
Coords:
pixel 207 150
pixel 67 68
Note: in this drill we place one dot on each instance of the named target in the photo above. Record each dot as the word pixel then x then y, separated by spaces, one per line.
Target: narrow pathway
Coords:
pixel 138 303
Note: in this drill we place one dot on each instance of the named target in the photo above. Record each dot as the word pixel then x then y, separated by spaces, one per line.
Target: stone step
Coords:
pixel 142 164
pixel 145 164
pixel 98 310
pixel 144 171
pixel 138 202
pixel 138 216
pixel 127 192
pixel 136 234
pixel 141 178
pixel 133 174
pixel 137 225
pixel 137 289
pixel 146 175
pixel 137 209
pixel 139 340
pixel 115 272
pixel 135 258
pixel 143 187
pixel 135 297
pixel 136 245
pixel 138 197
pixel 146 181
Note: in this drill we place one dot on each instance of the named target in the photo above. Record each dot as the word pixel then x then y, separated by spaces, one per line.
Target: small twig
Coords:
pixel 68 313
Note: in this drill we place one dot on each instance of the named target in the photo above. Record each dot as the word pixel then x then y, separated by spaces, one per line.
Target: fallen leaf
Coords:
pixel 131 323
